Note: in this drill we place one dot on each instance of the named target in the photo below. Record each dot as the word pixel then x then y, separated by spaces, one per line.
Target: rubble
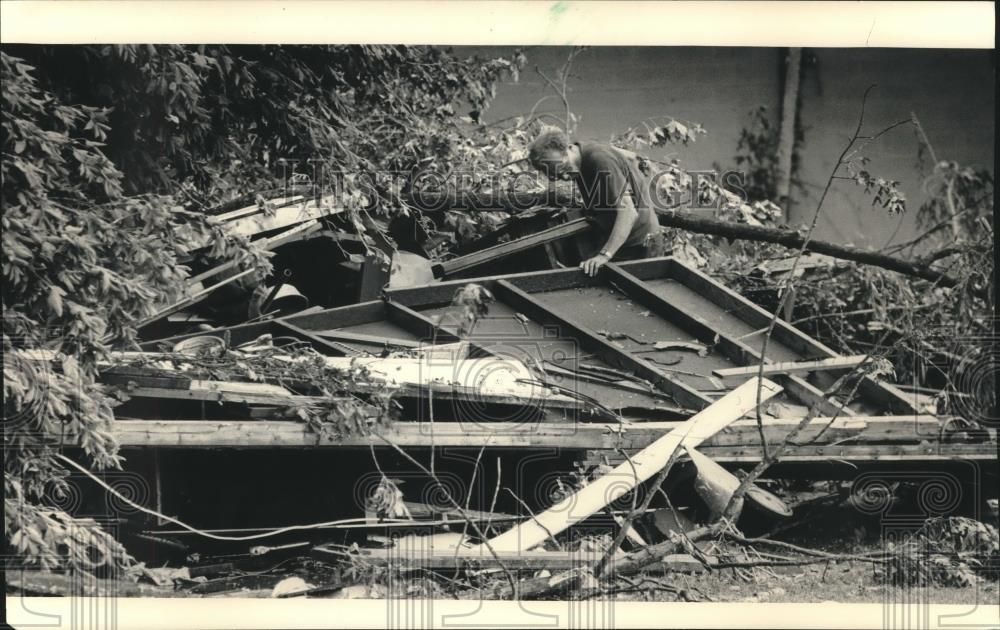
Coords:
pixel 648 370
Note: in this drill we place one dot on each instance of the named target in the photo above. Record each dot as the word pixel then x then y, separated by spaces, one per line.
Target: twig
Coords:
pixel 790 277
pixel 496 492
pixel 468 495
pixel 657 482
pixel 462 512
pixel 534 518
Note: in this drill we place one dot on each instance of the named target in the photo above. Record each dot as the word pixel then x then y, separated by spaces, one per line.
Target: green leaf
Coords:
pixel 55 300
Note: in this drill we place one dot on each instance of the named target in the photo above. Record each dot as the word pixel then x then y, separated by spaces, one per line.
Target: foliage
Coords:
pixel 341 402
pixel 475 301
pixel 224 120
pixel 950 551
pixel 660 132
pixel 48 538
pixel 81 263
pixel 102 143
pixel 757 156
pixel 884 192
pixel 859 309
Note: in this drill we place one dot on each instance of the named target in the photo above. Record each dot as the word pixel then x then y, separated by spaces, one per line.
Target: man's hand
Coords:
pixel 591 265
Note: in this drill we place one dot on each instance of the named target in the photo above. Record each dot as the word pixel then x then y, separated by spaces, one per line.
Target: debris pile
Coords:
pixel 676 435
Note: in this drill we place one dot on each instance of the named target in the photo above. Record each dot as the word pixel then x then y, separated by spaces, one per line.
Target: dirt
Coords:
pixel 842 582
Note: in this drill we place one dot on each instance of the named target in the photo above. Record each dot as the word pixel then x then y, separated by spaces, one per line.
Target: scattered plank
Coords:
pixel 523 302
pixel 254 209
pixel 191 299
pixel 740 437
pixel 792 367
pixel 733 349
pixel 464 264
pixel 466 559
pixel 284 217
pixel 642 466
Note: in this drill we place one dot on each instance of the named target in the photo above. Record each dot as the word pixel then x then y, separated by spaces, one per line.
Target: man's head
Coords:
pixel 551 154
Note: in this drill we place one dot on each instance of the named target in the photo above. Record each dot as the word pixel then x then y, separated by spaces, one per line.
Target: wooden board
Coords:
pixel 641 466
pixel 448 432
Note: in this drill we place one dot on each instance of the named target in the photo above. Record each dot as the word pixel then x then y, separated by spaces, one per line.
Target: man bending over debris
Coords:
pixel 609 182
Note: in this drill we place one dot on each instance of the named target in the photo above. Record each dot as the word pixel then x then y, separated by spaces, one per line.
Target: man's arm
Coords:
pixel 625 217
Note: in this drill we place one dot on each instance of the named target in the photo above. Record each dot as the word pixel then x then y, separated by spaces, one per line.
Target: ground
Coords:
pixel 841 582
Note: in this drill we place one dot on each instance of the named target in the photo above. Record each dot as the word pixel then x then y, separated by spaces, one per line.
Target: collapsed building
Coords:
pixel 558 383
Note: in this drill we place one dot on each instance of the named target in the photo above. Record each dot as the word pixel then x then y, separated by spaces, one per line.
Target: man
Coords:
pixel 609 182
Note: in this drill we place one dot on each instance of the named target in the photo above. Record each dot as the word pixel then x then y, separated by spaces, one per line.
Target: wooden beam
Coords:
pixel 789 367
pixel 733 349
pixel 254 209
pixel 418 324
pixel 344 336
pixel 525 303
pixel 325 319
pixel 442 293
pixel 464 264
pixel 340 316
pixel 284 216
pixel 642 466
pixel 418 557
pixel 880 392
pixel 321 344
pixel 844 437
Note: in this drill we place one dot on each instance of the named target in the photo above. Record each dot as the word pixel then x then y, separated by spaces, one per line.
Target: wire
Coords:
pixel 195 530
pixel 271 532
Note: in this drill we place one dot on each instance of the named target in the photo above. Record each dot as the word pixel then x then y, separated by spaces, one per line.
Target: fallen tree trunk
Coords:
pixel 516 202
pixel 793 240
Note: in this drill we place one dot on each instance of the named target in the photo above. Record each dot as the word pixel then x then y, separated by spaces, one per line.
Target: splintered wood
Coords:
pixel 643 465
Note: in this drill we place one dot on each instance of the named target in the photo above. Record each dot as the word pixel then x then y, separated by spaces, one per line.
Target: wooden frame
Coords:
pixel 403 307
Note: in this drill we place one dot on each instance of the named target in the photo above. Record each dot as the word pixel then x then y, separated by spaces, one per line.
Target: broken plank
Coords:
pixel 284 217
pixel 440 391
pixel 255 209
pixel 344 336
pixel 863 453
pixel 320 344
pixel 468 560
pixel 464 264
pixel 525 303
pixel 733 349
pixel 423 510
pixel 486 376
pixel 418 324
pixel 739 434
pixel 220 394
pixel 503 435
pixel 190 300
pixel 642 466
pixel 789 367
pixel 881 392
pixel 297 232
